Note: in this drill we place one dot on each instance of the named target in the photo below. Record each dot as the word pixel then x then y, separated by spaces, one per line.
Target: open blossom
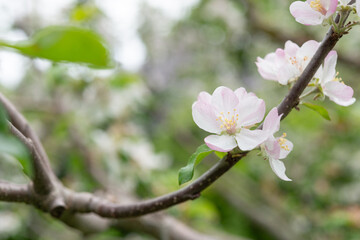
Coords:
pixel 333 86
pixel 276 148
pixel 286 64
pixel 229 115
pixel 313 12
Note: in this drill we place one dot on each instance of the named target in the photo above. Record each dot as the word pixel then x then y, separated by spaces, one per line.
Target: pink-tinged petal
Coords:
pixel 204 97
pixel 286 149
pixel 240 93
pixel 251 110
pixel 330 6
pixel 304 14
pixel 204 116
pixel 307 50
pixel 329 71
pixel 272 147
pixel 279 169
pixel 250 139
pixel 291 48
pixel 224 100
pixel 266 67
pixel 272 121
pixel 339 93
pixel 221 143
pixel 287 72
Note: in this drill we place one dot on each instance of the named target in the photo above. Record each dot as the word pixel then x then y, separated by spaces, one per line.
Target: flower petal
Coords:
pixel 339 93
pixel 251 110
pixel 266 67
pixel 291 48
pixel 250 139
pixel 329 71
pixel 283 152
pixel 331 8
pixel 204 97
pixel 279 169
pixel 221 143
pixel 272 121
pixel 224 100
pixel 358 7
pixel 204 116
pixel 304 14
pixel 272 147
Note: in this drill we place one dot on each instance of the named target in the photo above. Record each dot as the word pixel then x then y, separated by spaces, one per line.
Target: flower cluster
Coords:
pixel 286 65
pixel 231 115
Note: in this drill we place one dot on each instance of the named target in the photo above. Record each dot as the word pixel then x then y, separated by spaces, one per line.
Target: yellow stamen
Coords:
pixel 316 5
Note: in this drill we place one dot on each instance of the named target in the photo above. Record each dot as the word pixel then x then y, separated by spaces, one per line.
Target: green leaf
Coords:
pixel 220 154
pixel 319 109
pixel 65 44
pixel 186 173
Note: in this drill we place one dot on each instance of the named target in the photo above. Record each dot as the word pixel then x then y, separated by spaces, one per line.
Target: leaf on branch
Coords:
pixel 319 109
pixel 220 154
pixel 65 44
pixel 186 173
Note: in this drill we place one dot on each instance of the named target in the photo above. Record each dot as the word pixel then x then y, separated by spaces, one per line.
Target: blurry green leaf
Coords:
pixel 319 109
pixel 12 146
pixel 122 80
pixel 220 154
pixel 84 12
pixel 65 44
pixel 186 173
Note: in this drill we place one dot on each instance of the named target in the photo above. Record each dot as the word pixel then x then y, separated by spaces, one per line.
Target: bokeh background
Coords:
pixel 129 128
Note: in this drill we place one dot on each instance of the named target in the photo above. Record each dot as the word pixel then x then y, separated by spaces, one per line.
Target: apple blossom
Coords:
pixel 276 148
pixel 229 115
pixel 285 65
pixel 333 86
pixel 313 12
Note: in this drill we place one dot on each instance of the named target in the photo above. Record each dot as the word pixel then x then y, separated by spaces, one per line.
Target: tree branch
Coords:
pixel 44 178
pixel 85 202
pixel 10 192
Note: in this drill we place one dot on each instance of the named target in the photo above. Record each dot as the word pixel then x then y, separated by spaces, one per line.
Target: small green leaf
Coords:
pixel 319 109
pixel 65 44
pixel 186 173
pixel 220 154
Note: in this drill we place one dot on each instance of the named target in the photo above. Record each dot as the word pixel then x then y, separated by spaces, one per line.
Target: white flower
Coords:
pixel 276 148
pixel 313 12
pixel 287 64
pixel 230 115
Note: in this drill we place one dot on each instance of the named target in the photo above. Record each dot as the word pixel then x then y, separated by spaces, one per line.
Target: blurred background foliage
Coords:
pixel 129 130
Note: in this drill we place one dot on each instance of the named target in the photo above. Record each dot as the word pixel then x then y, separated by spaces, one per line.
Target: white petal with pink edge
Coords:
pixel 285 148
pixel 272 147
pixel 251 111
pixel 250 139
pixel 304 14
pixel 204 116
pixel 272 121
pixel 224 100
pixel 279 169
pixel 339 93
pixel 221 143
